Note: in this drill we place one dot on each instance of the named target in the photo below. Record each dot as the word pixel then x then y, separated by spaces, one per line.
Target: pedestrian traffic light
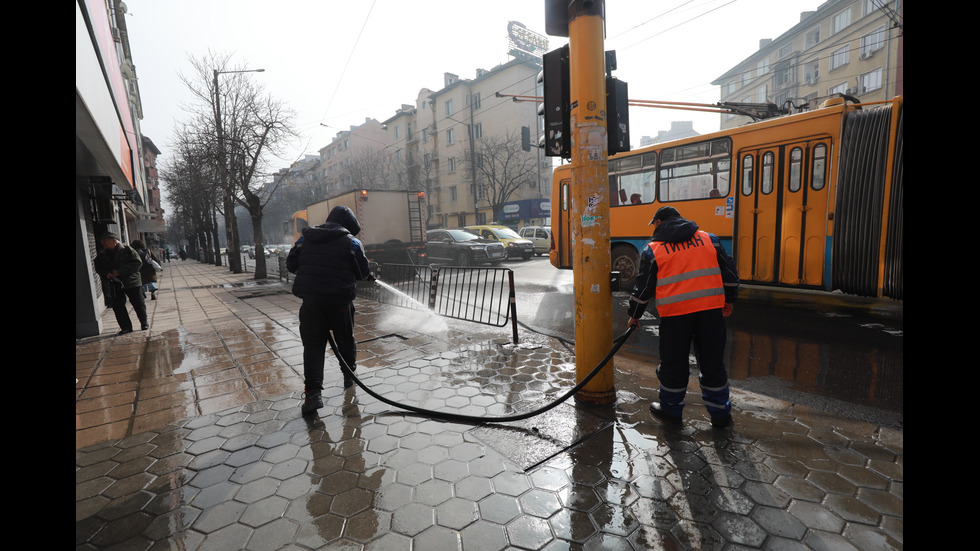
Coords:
pixel 557 128
pixel 526 138
pixel 617 116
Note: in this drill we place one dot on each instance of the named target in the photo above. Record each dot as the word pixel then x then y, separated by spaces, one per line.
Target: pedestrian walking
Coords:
pixel 694 282
pixel 328 261
pixel 148 273
pixel 118 266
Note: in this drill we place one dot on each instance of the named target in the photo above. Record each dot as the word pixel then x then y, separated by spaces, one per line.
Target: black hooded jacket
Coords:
pixel 328 260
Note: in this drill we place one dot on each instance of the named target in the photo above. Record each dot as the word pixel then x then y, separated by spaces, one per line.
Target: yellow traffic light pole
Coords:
pixel 590 199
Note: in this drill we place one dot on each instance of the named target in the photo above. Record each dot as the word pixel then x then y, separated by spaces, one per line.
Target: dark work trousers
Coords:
pixel 135 295
pixel 705 331
pixel 316 318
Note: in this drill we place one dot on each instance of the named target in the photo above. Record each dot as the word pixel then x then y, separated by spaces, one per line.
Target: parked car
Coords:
pixel 461 248
pixel 516 246
pixel 540 236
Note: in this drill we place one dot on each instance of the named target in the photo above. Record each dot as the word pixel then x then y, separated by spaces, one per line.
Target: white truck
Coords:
pixel 392 222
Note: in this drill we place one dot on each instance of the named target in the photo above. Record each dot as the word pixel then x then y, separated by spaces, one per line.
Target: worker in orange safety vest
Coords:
pixel 694 282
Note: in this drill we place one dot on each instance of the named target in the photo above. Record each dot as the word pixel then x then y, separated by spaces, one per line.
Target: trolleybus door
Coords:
pixel 757 214
pixel 804 198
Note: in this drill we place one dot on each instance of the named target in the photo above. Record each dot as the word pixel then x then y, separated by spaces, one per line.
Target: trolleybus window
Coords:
pixel 795 168
pixel 697 171
pixel 633 180
pixel 819 179
pixel 767 162
pixel 747 175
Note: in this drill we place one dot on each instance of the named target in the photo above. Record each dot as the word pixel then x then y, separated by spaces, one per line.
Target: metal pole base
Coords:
pixel 602 398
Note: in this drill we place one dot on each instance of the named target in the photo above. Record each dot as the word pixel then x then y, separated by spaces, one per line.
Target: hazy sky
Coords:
pixel 339 62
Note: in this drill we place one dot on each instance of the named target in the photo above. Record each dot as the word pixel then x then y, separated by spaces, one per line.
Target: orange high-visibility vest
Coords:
pixel 688 276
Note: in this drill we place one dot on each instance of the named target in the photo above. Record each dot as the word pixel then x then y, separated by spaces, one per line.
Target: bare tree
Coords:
pixel 501 168
pixel 246 126
pixel 188 177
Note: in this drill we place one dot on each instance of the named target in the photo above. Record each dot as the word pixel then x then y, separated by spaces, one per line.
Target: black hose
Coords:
pixel 473 418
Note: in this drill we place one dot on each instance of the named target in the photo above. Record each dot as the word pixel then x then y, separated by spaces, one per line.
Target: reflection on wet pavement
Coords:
pixel 191 438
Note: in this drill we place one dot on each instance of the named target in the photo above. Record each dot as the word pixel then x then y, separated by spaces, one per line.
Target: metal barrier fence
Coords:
pixel 480 295
pixel 407 285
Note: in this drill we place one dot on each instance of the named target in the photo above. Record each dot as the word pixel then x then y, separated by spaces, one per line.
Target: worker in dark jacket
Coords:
pixel 118 266
pixel 328 261
pixel 694 282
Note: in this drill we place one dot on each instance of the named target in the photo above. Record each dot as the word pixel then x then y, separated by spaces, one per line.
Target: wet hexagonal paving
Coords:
pixel 189 436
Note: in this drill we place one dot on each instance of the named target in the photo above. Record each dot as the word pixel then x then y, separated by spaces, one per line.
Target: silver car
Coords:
pixel 539 236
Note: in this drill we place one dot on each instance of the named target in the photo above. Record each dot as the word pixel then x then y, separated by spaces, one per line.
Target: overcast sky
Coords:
pixel 338 62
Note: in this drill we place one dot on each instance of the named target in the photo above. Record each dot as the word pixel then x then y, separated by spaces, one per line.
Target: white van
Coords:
pixel 540 236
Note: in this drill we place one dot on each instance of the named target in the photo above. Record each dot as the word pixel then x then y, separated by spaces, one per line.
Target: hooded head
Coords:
pixel 343 216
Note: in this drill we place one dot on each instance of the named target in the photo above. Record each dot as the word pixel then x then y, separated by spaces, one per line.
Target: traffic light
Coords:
pixel 557 128
pixel 526 138
pixel 617 116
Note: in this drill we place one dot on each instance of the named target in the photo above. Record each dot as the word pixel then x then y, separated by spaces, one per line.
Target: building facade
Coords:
pixel 462 145
pixel 849 47
pixel 111 192
pixel 353 160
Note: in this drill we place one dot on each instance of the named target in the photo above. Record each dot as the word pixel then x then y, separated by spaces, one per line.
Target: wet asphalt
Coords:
pixel 189 436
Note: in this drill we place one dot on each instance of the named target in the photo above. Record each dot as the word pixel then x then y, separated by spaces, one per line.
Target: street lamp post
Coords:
pixel 234 261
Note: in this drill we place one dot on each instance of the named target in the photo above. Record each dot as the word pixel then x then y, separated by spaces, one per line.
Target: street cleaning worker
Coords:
pixel 694 282
pixel 328 261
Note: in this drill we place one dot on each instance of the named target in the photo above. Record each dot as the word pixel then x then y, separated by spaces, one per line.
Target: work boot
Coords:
pixel 722 421
pixel 312 401
pixel 657 411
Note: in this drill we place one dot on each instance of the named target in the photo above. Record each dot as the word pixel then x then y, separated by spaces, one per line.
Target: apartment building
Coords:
pixel 354 159
pixel 850 47
pixel 462 144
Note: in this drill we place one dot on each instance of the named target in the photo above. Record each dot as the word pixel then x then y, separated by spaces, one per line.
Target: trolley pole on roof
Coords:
pixel 590 190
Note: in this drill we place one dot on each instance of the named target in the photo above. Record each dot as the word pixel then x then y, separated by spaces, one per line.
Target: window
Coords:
pixel 840 57
pixel 450 137
pixel 763 67
pixel 732 86
pixel 795 169
pixel 425 135
pixel 475 100
pixel 767 173
pixel 819 175
pixel 452 193
pixel 785 76
pixel 633 179
pixel 452 166
pixel 812 38
pixel 396 133
pixel 839 89
pixel 746 77
pixel 696 171
pixel 762 93
pixel 477 131
pixel 872 42
pixel 871 81
pixel 811 72
pixel 461 220
pixel 747 174
pixel 840 21
pixel 449 107
pixel 786 50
